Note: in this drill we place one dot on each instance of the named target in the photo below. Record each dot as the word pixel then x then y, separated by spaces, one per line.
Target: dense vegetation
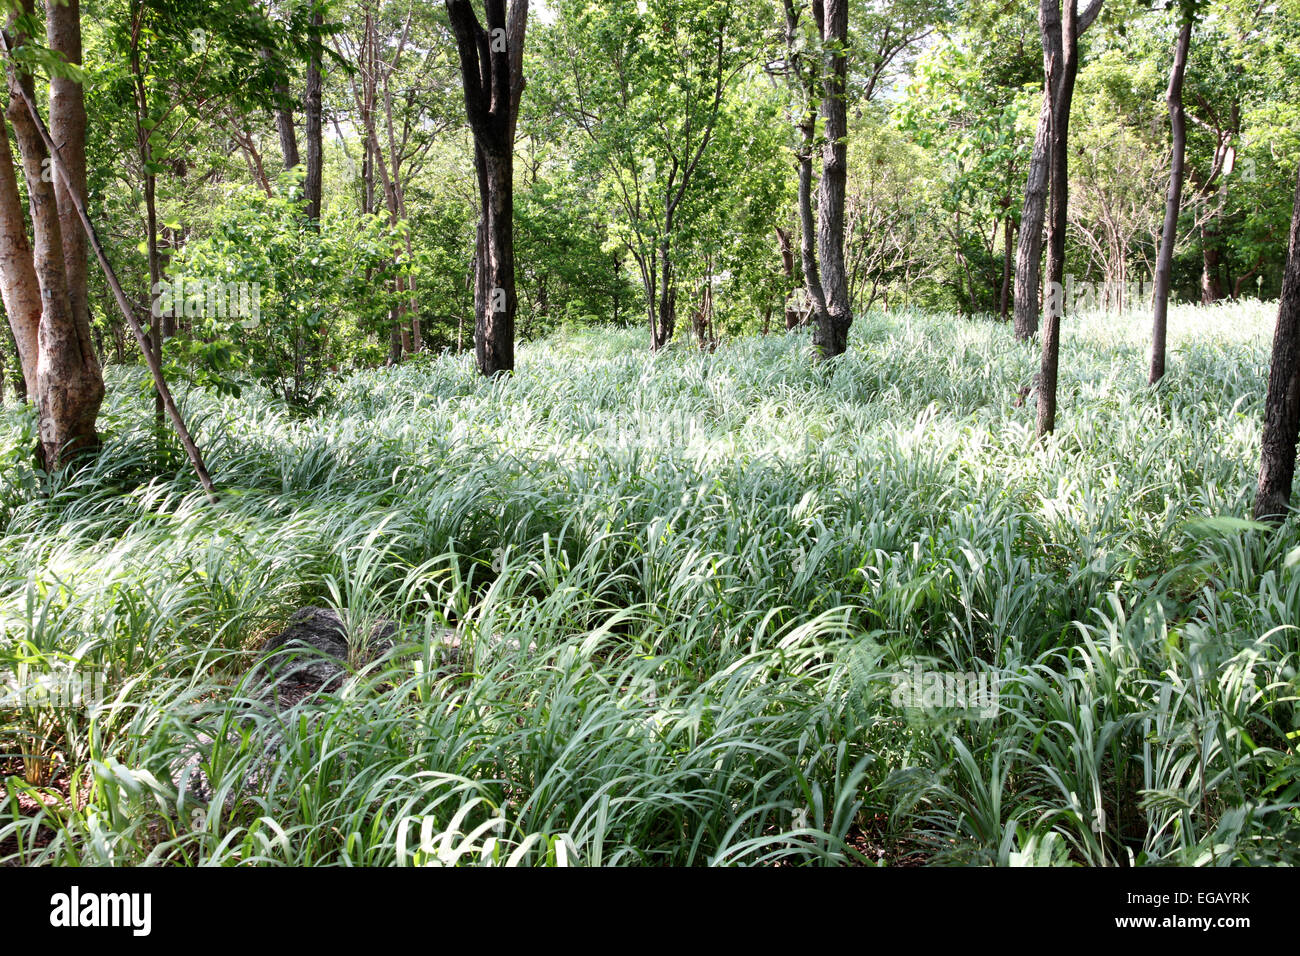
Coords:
pixel 685 582
pixel 698 432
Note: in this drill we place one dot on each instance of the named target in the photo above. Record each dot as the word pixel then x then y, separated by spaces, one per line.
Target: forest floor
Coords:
pixel 732 608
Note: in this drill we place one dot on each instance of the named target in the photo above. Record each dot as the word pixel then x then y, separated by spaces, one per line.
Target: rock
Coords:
pixel 190 778
pixel 310 656
pixel 314 650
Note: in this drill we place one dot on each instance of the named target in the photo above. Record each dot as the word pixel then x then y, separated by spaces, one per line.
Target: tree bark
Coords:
pixel 1061 63
pixel 787 268
pixel 1004 298
pixel 491 65
pixel 1029 249
pixel 831 335
pixel 1211 265
pixel 21 290
pixel 69 386
pixel 284 120
pixel 1173 202
pixel 312 184
pixel 68 127
pixel 807 125
pixel 1282 404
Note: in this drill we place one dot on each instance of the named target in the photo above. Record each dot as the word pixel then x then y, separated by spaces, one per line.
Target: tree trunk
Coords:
pixel 491 66
pixel 312 116
pixel 807 126
pixel 1173 202
pixel 1008 233
pixel 1029 249
pixel 831 335
pixel 1061 66
pixel 22 293
pixel 665 323
pixel 69 386
pixel 68 127
pixel 787 268
pixel 1282 404
pixel 1211 265
pixel 284 120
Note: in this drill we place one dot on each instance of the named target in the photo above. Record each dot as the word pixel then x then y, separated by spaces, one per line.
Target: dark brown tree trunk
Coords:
pixel 1282 404
pixel 831 335
pixel 1173 202
pixel 1029 249
pixel 491 66
pixel 1211 265
pixel 665 320
pixel 1008 234
pixel 284 120
pixel 1061 67
pixel 312 184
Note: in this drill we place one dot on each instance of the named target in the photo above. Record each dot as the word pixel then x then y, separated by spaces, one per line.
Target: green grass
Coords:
pixel 684 584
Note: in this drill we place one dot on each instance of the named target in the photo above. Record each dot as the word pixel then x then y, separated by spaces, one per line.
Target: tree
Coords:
pixel 825 273
pixel 1174 196
pixel 648 84
pixel 491 66
pixel 1059 28
pixel 831 334
pixel 965 108
pixel 400 103
pixel 48 320
pixel 1029 250
pixel 1282 404
pixel 313 181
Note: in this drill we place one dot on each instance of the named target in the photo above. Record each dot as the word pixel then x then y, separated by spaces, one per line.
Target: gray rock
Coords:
pixel 190 777
pixel 315 649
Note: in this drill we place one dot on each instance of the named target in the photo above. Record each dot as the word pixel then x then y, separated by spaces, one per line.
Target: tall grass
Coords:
pixel 682 586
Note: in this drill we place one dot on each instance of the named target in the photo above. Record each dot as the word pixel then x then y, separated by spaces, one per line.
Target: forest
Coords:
pixel 650 433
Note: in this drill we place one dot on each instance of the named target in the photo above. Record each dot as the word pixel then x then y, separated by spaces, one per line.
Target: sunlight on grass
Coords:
pixel 683 584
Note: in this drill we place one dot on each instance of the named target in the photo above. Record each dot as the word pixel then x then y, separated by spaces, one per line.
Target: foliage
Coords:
pixel 316 292
pixel 683 585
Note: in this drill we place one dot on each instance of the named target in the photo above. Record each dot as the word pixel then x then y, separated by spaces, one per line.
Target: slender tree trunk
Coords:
pixel 1029 249
pixel 665 323
pixel 22 292
pixel 1282 404
pixel 831 336
pixel 805 80
pixel 1211 265
pixel 312 115
pixel 808 228
pixel 787 268
pixel 284 121
pixel 1173 201
pixel 491 64
pixel 1061 67
pixel 1008 234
